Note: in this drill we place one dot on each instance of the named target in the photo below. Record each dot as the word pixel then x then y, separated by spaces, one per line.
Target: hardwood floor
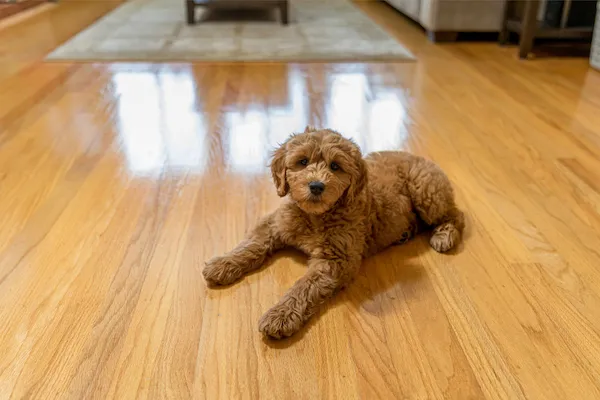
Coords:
pixel 118 180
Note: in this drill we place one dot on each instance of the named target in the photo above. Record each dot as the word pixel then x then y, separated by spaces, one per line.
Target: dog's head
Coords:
pixel 318 168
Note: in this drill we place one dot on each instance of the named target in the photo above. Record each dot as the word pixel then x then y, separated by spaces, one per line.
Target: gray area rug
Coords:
pixel 155 30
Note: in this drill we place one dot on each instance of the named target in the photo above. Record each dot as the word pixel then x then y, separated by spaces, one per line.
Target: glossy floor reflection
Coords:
pixel 118 180
pixel 162 116
pixel 159 121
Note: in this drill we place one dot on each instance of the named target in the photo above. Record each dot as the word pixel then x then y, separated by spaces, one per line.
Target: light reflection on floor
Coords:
pixel 247 149
pixel 387 128
pixel 162 126
pixel 158 121
pixel 254 134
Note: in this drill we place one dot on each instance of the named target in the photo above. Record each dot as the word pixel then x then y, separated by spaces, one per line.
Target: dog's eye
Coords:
pixel 304 161
pixel 334 166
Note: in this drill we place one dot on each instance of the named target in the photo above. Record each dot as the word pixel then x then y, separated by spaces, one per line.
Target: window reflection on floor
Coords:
pixel 376 120
pixel 283 121
pixel 387 119
pixel 254 133
pixel 158 121
pixel 184 126
pixel 161 127
pixel 247 147
pixel 348 105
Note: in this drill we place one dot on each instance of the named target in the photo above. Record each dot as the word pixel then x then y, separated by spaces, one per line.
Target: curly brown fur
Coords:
pixel 367 205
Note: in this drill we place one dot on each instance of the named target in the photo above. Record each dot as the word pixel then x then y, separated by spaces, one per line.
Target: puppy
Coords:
pixel 340 208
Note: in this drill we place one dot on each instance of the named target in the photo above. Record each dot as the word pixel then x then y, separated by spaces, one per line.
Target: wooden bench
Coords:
pixel 282 5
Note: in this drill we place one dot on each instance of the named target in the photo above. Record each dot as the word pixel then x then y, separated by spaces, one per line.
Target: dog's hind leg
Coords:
pixel 433 198
pixel 447 234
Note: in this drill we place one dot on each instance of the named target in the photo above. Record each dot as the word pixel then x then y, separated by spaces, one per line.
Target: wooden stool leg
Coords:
pixel 284 10
pixel 190 10
pixel 504 33
pixel 528 27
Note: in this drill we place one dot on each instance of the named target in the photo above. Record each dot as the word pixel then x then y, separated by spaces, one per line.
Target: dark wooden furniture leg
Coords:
pixel 284 10
pixel 190 10
pixel 529 26
pixel 504 32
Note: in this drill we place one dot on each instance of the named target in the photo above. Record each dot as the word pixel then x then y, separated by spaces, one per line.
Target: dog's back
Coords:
pixel 406 188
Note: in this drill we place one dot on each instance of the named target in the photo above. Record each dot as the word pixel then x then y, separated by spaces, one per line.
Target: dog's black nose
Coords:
pixel 316 188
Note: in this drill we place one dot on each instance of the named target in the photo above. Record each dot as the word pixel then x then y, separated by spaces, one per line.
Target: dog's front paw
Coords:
pixel 280 321
pixel 221 271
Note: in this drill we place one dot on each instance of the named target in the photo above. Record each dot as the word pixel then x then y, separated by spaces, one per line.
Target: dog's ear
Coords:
pixel 309 128
pixel 278 171
pixel 359 178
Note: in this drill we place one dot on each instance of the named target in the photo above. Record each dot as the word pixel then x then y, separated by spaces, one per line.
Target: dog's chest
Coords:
pixel 318 238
